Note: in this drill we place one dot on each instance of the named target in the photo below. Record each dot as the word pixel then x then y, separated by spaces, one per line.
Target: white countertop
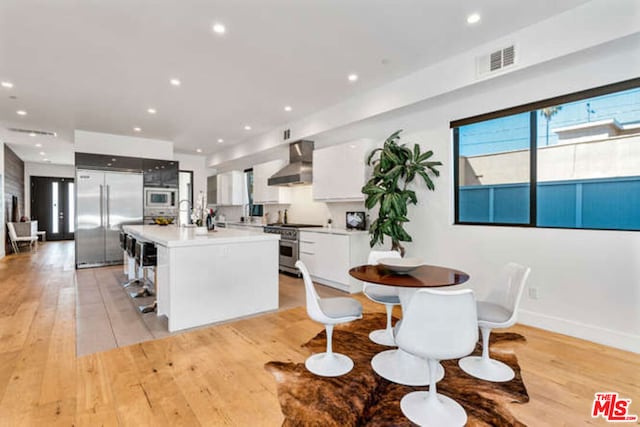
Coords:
pixel 173 236
pixel 334 230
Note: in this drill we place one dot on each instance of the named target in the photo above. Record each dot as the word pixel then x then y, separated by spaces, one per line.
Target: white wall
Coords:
pixel 588 281
pixel 121 145
pixel 194 163
pixel 42 169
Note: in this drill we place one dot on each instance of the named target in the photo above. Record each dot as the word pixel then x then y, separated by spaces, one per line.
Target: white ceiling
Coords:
pixel 98 65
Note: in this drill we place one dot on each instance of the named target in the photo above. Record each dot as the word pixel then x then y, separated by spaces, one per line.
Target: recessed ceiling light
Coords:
pixel 21 113
pixel 219 28
pixel 7 85
pixel 42 153
pixel 175 82
pixel 473 18
pixel 113 160
pixel 137 129
pixel 220 141
pixel 288 108
pixel 108 164
pixel 38 145
pixel 353 77
pixel 198 150
pixel 32 134
pixel 247 127
pixel 46 160
pixel 151 110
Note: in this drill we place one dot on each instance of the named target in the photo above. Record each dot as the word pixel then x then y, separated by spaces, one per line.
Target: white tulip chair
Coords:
pixel 381 294
pixel 329 312
pixel 500 310
pixel 437 325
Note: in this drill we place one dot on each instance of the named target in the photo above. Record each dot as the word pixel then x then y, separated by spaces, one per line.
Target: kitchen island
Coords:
pixel 209 278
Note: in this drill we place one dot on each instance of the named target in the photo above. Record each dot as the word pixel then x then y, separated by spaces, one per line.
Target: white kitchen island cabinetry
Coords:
pixel 340 171
pixel 329 254
pixel 212 278
pixel 263 193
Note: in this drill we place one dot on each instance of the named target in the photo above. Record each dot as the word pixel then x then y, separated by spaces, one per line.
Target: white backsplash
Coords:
pixel 231 213
pixel 302 210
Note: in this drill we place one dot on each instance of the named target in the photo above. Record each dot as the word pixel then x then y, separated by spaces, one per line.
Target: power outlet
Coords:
pixel 533 293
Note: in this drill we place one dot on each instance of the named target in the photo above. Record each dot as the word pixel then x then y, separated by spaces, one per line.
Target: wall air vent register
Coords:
pixel 496 61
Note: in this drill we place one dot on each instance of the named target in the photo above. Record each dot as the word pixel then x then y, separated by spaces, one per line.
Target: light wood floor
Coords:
pixel 214 376
pixel 107 317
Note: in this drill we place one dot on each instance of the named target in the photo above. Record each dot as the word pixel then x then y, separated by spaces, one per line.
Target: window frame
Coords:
pixel 532 108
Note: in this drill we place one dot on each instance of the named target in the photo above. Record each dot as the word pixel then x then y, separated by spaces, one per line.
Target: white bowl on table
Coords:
pixel 401 265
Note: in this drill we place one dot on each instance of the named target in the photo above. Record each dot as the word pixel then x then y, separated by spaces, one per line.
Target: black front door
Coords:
pixel 53 206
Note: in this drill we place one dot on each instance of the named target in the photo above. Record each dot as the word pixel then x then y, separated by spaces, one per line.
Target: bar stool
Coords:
pixel 146 258
pixel 129 243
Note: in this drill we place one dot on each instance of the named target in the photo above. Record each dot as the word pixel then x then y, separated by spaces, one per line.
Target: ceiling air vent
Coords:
pixel 496 61
pixel 34 132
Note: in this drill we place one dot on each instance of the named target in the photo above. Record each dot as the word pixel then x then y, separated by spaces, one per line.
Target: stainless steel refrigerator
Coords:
pixel 105 201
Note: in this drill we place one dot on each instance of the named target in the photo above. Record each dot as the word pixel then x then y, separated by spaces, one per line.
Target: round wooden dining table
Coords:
pixel 397 365
pixel 424 276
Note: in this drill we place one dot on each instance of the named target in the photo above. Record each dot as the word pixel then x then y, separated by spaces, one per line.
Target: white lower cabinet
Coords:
pixel 329 257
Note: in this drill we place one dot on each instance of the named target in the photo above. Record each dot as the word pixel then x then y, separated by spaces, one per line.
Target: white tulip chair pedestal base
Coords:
pixel 486 369
pixel 329 364
pixel 401 367
pixel 383 337
pixel 426 409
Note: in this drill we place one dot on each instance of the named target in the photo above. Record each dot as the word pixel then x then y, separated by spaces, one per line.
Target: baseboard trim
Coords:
pixel 609 337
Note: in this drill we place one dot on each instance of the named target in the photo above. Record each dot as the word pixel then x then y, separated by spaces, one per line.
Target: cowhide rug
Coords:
pixel 363 398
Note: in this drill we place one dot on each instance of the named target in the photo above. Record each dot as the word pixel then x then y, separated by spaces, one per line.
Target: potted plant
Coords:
pixel 198 214
pixel 395 167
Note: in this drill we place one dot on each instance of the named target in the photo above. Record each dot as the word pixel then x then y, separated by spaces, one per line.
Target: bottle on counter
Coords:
pixel 279 217
pixel 210 221
pixel 284 221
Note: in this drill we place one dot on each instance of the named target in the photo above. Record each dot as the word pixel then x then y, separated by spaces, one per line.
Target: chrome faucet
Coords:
pixel 190 205
pixel 246 212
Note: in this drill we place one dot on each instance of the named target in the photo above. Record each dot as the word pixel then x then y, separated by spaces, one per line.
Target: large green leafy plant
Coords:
pixel 395 167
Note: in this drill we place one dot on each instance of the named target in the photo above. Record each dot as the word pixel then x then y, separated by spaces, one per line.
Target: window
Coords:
pixel 254 209
pixel 568 162
pixel 54 208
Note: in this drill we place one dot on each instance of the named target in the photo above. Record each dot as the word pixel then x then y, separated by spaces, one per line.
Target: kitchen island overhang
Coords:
pixel 203 279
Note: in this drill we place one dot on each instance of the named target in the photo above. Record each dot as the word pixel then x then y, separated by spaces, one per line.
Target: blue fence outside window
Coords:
pixel 607 203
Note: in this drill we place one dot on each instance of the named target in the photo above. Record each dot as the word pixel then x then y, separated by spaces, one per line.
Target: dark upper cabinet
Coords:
pixel 160 173
pixel 157 173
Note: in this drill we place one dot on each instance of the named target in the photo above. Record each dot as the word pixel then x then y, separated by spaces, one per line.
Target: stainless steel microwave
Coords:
pixel 160 197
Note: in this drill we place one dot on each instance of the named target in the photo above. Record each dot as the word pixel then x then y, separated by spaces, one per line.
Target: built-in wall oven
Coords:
pixel 289 244
pixel 160 202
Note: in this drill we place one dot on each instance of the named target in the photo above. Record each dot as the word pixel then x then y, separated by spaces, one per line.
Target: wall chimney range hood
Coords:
pixel 299 170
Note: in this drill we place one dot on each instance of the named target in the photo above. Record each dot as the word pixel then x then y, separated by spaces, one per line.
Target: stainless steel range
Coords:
pixel 289 244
